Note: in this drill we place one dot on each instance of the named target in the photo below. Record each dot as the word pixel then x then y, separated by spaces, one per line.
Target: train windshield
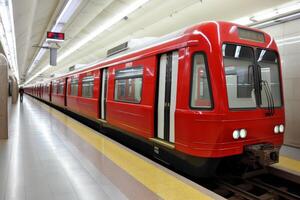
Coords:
pixel 268 64
pixel 252 77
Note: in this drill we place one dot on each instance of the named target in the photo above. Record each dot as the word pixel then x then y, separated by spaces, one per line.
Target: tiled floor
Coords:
pixel 37 162
pixel 45 159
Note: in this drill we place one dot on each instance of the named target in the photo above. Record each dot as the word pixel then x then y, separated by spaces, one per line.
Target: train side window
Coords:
pixel 74 86
pixel 54 88
pixel 128 85
pixel 60 88
pixel 200 88
pixel 88 86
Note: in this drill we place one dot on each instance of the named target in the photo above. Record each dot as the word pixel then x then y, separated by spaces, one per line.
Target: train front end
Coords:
pixel 236 100
pixel 255 111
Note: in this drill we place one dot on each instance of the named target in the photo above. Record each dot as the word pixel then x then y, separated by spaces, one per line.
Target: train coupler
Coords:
pixel 263 154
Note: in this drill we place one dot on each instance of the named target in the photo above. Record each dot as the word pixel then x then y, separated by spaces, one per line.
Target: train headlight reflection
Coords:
pixel 276 129
pixel 281 128
pixel 243 133
pixel 236 134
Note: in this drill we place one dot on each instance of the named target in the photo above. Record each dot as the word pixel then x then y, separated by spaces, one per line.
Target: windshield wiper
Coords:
pixel 256 82
pixel 270 99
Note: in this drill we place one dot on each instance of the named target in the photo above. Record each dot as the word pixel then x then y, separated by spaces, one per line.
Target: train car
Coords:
pixel 83 93
pixel 199 96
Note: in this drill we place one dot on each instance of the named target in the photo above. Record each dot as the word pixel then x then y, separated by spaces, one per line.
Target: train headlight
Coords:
pixel 281 128
pixel 236 134
pixel 276 129
pixel 243 133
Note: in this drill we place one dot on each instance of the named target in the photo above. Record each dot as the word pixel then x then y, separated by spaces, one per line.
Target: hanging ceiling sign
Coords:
pixel 55 36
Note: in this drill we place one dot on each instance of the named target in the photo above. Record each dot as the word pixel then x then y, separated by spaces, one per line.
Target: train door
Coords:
pixel 103 94
pixel 66 91
pixel 50 91
pixel 167 90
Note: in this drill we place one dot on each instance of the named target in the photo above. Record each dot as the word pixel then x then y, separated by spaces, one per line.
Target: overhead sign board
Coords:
pixel 55 36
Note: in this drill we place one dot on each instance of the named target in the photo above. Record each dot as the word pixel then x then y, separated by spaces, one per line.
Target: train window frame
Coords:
pixel 212 106
pixel 72 82
pixel 279 76
pixel 139 76
pixel 243 59
pixel 82 82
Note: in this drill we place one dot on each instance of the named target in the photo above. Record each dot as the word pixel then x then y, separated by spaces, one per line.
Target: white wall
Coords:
pixel 290 56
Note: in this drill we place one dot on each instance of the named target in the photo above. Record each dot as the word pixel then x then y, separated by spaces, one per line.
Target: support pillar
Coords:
pixel 3 97
pixel 15 91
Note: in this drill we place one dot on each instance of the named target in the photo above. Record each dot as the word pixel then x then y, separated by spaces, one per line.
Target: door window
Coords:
pixel 201 96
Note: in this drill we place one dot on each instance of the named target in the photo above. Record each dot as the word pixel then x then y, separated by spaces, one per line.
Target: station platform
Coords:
pixel 289 160
pixel 50 156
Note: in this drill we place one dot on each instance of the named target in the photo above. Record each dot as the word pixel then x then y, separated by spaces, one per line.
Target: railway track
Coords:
pixel 272 185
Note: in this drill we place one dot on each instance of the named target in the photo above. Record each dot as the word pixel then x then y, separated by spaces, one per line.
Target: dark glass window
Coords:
pixel 238 62
pixel 74 86
pixel 269 67
pixel 88 86
pixel 54 88
pixel 60 88
pixel 200 95
pixel 128 85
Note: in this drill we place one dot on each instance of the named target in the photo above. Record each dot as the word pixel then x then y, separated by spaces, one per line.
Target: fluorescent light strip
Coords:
pixel 8 35
pixel 269 13
pixel 13 37
pixel 289 16
pixel 237 51
pixel 243 21
pixel 66 14
pixel 288 43
pixel 287 39
pixel 263 24
pixel 279 11
pixel 37 59
pixel 104 27
pixel 128 10
pixel 37 74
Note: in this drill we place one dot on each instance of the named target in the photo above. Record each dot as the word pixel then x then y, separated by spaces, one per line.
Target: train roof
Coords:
pixel 148 44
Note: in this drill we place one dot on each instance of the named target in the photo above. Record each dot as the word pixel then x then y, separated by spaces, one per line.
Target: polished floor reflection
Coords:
pixel 37 162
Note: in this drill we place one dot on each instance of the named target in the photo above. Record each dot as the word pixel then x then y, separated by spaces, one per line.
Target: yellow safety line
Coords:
pixel 289 163
pixel 157 180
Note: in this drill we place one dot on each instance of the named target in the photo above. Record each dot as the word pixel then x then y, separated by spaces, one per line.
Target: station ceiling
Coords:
pixel 33 18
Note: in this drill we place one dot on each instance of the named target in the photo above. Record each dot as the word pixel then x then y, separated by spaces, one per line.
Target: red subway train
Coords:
pixel 196 97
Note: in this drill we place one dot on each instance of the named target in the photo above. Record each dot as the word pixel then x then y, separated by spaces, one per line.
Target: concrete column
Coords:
pixel 15 90
pixel 3 97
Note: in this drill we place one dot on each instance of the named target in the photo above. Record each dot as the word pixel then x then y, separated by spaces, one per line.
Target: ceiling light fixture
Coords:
pixel 269 14
pixel 288 39
pixel 131 8
pixel 288 43
pixel 7 35
pixel 65 15
pixel 112 21
pixel 62 19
